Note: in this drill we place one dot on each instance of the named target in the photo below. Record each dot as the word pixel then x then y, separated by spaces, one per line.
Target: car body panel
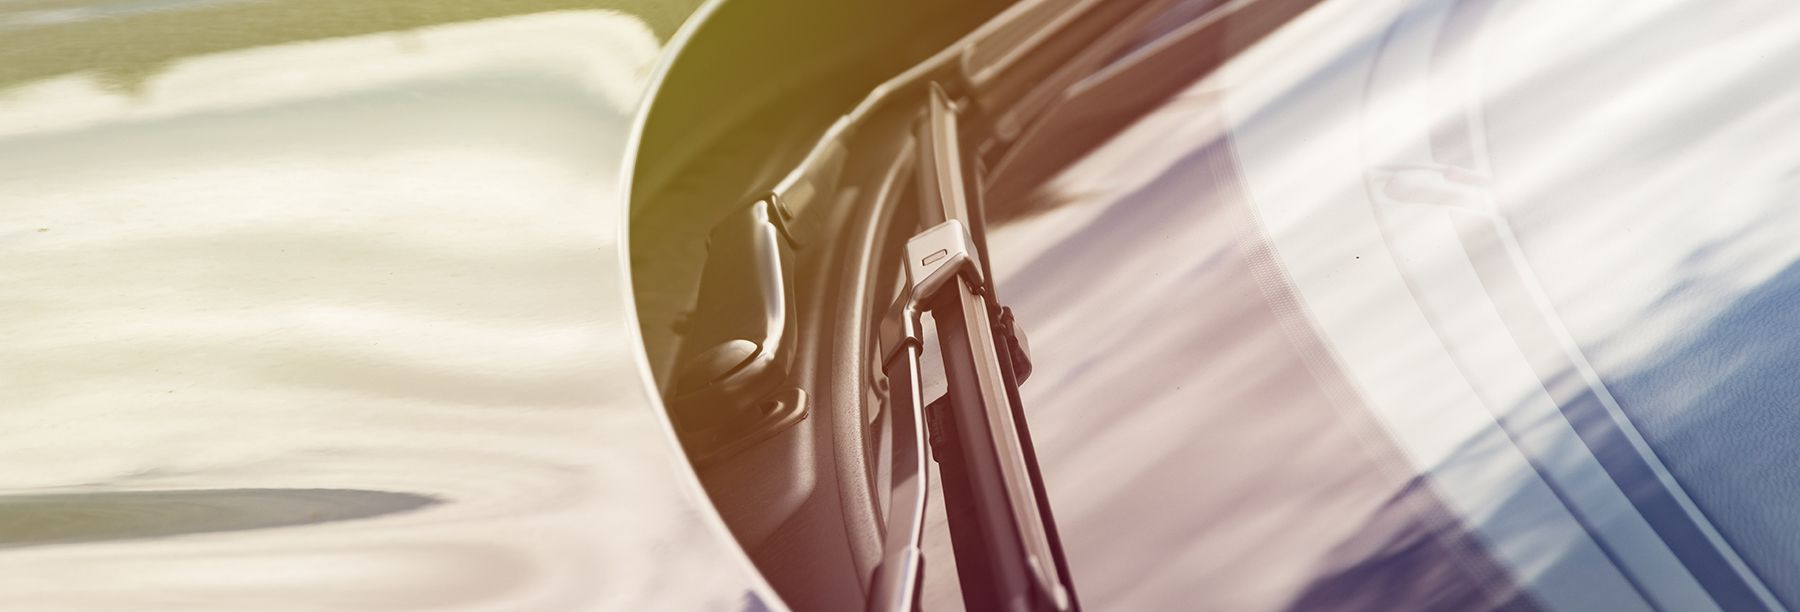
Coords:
pixel 314 306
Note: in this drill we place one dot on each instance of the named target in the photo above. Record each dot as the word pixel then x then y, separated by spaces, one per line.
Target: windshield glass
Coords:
pixel 1456 303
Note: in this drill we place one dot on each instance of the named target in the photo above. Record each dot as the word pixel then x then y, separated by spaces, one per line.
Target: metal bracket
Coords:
pixel 933 257
pixel 938 254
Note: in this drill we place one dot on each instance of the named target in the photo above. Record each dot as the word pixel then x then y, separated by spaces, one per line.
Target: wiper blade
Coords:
pixel 1008 555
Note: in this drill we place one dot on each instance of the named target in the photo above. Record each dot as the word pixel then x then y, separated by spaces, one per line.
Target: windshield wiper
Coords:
pixel 1008 555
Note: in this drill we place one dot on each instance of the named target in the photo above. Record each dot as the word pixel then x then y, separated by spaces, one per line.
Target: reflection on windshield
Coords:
pixel 1543 250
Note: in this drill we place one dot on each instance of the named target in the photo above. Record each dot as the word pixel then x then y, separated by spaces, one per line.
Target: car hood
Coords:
pixel 315 305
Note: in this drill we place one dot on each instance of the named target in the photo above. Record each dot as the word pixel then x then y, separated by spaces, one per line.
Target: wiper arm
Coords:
pixel 897 579
pixel 1007 552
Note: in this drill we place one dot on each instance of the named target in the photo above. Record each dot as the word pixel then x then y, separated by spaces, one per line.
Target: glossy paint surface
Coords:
pixel 315 305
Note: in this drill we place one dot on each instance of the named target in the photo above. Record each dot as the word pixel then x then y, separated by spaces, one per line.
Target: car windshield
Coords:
pixel 1462 303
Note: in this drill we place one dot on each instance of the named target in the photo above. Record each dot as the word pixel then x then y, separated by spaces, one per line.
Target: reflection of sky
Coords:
pixel 1653 191
pixel 348 264
pixel 1558 159
pixel 72 14
pixel 1638 157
